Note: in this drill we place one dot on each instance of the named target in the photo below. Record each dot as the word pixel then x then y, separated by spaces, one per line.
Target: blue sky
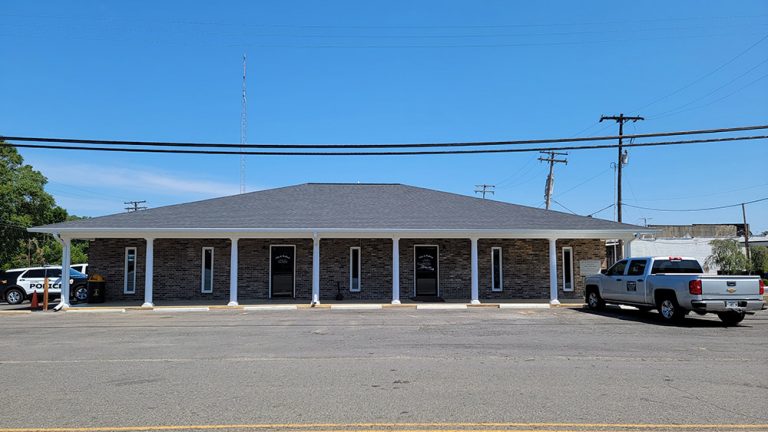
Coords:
pixel 392 71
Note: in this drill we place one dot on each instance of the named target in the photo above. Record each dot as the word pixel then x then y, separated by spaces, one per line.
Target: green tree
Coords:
pixel 759 255
pixel 727 255
pixel 24 203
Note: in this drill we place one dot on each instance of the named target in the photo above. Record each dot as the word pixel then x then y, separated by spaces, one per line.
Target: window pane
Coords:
pixel 130 270
pixel 37 273
pixel 496 268
pixel 567 269
pixel 354 268
pixel 207 270
pixel 636 268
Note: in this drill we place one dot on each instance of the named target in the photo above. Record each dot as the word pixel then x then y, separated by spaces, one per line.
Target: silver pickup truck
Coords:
pixel 675 286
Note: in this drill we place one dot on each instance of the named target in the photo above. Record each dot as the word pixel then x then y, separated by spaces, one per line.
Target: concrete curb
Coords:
pixel 96 310
pixel 304 306
pixel 524 306
pixel 441 306
pixel 361 306
pixel 270 308
pixel 181 309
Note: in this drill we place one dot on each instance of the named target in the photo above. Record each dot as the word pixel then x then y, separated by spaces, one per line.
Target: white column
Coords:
pixel 150 262
pixel 66 260
pixel 553 272
pixel 628 248
pixel 395 270
pixel 233 274
pixel 475 283
pixel 316 270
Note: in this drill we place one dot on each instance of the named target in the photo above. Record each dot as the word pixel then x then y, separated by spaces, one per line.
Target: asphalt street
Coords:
pixel 552 369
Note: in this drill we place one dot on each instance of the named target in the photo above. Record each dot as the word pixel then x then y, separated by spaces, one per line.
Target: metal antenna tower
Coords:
pixel 243 130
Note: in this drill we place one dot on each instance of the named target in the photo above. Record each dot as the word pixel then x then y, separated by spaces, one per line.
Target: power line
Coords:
pixel 698 209
pixel 707 75
pixel 402 153
pixel 402 145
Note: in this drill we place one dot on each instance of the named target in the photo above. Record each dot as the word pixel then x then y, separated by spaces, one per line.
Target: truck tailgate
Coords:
pixel 730 286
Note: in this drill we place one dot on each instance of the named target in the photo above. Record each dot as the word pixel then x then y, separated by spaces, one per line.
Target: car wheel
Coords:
pixel 669 310
pixel 81 293
pixel 731 318
pixel 594 301
pixel 14 296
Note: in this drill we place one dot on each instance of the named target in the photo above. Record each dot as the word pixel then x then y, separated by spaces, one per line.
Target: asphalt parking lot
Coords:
pixel 551 369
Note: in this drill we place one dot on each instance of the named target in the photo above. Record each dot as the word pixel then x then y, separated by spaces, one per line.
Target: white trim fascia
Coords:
pixel 245 233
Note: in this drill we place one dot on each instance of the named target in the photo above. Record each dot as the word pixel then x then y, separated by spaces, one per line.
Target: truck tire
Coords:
pixel 594 301
pixel 731 318
pixel 14 296
pixel 670 310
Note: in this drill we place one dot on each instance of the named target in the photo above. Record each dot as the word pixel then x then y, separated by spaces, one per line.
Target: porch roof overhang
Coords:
pixel 244 233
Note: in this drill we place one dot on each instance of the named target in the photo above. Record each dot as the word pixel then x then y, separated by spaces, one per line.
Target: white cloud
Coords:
pixel 129 179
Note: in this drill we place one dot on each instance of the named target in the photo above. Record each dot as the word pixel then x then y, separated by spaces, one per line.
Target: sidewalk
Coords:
pixel 277 305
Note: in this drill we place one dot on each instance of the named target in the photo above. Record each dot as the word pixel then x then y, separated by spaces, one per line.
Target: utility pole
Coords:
pixel 645 220
pixel 620 119
pixel 243 130
pixel 134 206
pixel 550 186
pixel 746 233
pixel 485 189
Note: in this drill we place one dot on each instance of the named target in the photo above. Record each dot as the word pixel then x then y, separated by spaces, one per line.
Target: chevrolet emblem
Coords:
pixel 731 290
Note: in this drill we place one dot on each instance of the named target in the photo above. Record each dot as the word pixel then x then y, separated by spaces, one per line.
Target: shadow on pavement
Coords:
pixel 652 317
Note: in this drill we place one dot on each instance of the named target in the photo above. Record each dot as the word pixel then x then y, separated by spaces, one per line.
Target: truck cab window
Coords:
pixel 617 269
pixel 637 268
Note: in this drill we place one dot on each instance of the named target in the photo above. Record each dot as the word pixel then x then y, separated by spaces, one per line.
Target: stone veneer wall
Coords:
pixel 525 267
pixel 178 267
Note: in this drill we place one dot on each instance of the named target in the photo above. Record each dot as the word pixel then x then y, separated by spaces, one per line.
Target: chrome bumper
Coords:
pixel 722 305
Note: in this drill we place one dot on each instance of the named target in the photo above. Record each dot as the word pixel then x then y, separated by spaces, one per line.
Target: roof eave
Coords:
pixel 74 232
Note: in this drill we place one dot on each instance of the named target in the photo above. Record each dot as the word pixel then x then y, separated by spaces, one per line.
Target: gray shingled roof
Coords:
pixel 354 206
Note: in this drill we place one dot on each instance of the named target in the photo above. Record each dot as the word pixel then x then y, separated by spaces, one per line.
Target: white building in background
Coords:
pixel 698 248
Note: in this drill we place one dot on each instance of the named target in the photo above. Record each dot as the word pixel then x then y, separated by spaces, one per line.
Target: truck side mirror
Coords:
pixel 603 271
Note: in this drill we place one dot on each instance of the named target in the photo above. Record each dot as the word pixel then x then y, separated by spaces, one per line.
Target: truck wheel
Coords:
pixel 81 293
pixel 14 296
pixel 594 301
pixel 731 318
pixel 669 310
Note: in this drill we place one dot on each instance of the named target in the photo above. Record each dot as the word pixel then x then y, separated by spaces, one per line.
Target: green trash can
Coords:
pixel 96 288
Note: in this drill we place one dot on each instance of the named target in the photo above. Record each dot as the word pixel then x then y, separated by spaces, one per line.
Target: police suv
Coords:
pixel 17 285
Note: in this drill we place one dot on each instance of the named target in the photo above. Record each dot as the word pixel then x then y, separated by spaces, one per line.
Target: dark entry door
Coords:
pixel 283 258
pixel 426 270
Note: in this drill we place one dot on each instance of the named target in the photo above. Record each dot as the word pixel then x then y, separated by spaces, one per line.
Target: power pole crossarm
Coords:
pixel 550 186
pixel 485 189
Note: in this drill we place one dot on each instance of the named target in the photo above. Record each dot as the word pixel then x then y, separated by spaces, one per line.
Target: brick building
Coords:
pixel 381 242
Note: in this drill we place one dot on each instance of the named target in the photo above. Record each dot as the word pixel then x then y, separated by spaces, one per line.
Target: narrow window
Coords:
pixel 129 278
pixel 567 269
pixel 354 269
pixel 207 273
pixel 497 283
